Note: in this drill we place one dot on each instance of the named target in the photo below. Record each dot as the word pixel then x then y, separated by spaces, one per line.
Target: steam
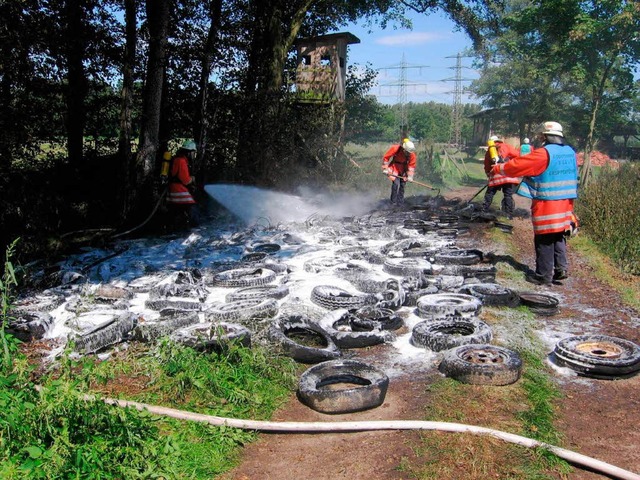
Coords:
pixel 252 203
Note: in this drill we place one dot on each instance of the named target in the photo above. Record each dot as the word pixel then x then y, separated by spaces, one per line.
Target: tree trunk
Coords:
pixel 75 14
pixel 201 122
pixel 127 170
pixel 158 20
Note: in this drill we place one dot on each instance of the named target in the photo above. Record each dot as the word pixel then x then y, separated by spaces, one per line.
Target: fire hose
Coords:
pixel 362 426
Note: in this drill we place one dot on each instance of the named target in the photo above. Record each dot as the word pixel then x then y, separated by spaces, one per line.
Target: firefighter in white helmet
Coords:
pixel 525 147
pixel 497 182
pixel 399 164
pixel 551 181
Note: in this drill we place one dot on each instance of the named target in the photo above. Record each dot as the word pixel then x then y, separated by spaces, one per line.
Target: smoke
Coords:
pixel 252 203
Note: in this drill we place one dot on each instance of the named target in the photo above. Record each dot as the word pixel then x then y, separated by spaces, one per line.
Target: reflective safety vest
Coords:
pixel 559 181
pixel 179 178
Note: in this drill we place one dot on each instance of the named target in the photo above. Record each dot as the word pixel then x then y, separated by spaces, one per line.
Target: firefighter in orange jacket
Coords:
pixel 498 181
pixel 399 163
pixel 180 201
pixel 551 181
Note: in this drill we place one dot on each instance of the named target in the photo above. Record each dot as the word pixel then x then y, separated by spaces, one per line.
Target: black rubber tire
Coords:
pixel 406 267
pixel 598 356
pixel 492 294
pixel 318 265
pixel 333 298
pixel 350 331
pixel 212 336
pixel 385 318
pixel 367 387
pixel 28 326
pixel 411 297
pixel 267 248
pixel 282 328
pixel 254 257
pixel 242 310
pixel 540 303
pixel 169 321
pixel 102 338
pixel 458 257
pixel 482 364
pixel 505 227
pixel 244 277
pixel 392 297
pixel 259 291
pixel 440 305
pixel 186 305
pixel 449 333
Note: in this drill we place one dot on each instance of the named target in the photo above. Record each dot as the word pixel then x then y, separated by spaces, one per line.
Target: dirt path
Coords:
pixel 598 418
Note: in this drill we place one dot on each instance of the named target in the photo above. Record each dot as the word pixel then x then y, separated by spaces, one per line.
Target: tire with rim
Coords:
pixel 598 356
pixel 244 277
pixel 332 298
pixel 449 333
pixel 242 310
pixel 482 364
pixel 212 336
pixel 440 305
pixel 303 340
pixel 365 387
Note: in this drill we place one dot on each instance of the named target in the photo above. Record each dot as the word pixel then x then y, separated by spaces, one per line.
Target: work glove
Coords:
pixel 386 170
pixel 410 178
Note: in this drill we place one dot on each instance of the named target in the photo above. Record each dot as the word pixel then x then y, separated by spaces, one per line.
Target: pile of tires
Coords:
pixel 598 356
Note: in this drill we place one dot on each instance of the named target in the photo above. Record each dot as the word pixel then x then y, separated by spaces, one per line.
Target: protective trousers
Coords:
pixel 397 191
pixel 508 204
pixel 551 254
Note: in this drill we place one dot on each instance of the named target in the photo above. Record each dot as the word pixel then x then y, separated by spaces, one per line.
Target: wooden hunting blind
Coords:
pixel 321 70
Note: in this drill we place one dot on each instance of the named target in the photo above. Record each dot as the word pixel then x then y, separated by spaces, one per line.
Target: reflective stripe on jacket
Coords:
pixel 179 178
pixel 558 181
pixel 506 152
pixel 551 216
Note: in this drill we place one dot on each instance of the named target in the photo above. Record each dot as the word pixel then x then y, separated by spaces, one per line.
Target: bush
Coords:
pixel 609 209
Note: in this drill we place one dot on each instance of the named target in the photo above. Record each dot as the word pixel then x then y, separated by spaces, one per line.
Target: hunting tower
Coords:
pixel 321 70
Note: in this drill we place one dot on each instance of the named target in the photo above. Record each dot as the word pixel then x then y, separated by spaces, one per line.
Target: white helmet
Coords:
pixel 550 128
pixel 408 145
pixel 526 140
pixel 495 138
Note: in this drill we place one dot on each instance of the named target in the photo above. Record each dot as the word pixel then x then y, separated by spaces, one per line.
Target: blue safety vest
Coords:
pixel 559 181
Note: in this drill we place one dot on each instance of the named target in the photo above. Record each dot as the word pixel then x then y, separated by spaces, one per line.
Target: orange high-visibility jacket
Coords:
pixel 179 178
pixel 547 216
pixel 506 152
pixel 397 160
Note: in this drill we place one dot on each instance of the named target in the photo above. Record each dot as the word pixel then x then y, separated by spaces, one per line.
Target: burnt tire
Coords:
pixel 440 305
pixel 540 303
pixel 385 318
pixel 445 334
pixel 365 387
pixel 406 267
pixel 28 326
pixel 492 294
pixel 106 336
pixel 212 336
pixel 258 292
pixel 243 277
pixel 481 364
pixel 350 331
pixel 333 298
pixel 303 340
pixel 598 356
pixel 458 257
pixel 186 305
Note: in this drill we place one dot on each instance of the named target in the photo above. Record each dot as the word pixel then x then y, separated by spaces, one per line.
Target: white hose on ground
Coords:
pixel 301 427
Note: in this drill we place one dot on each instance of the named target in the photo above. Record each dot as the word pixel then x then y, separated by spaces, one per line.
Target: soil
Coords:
pixel 597 418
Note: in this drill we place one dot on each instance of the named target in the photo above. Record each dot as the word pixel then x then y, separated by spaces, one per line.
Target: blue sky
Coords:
pixel 423 51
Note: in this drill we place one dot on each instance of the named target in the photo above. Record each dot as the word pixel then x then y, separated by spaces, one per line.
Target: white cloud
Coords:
pixel 411 38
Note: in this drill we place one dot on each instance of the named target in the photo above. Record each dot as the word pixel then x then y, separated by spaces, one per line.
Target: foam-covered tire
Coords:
pixel 243 277
pixel 449 333
pixel 598 356
pixel 242 310
pixel 406 267
pixel 186 305
pixel 212 336
pixel 458 257
pixel 166 324
pixel 333 298
pixel 492 294
pixel 286 331
pixel 384 318
pixel 107 335
pixel 28 326
pixel 365 387
pixel 440 305
pixel 482 364
pixel 349 331
pixel 259 291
